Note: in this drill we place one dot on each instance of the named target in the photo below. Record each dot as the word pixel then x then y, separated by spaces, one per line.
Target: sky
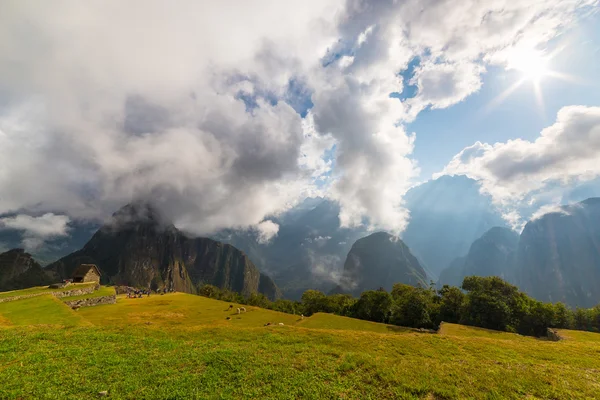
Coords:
pixel 226 113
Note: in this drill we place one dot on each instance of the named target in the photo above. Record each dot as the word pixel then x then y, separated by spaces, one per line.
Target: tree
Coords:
pixel 209 291
pixel 258 300
pixel 451 301
pixel 415 307
pixel 373 305
pixel 563 317
pixel 313 301
pixel 340 304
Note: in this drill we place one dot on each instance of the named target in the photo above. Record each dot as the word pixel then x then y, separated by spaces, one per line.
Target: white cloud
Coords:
pixel 137 100
pixel 566 152
pixel 548 209
pixel 36 230
pixel 191 104
pixel 266 231
pixel 442 85
pixel 454 41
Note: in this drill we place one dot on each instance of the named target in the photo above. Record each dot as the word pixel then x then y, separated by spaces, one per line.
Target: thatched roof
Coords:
pixel 83 269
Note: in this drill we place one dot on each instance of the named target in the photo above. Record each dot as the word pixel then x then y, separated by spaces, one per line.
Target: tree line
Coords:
pixel 486 302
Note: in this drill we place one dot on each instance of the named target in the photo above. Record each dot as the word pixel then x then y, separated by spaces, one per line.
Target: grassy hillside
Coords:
pixel 180 310
pixel 330 321
pixel 45 309
pixel 471 331
pixel 197 353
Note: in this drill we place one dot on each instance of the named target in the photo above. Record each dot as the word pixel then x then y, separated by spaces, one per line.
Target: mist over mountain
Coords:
pixel 53 248
pixel 446 215
pixel 490 255
pixel 308 251
pixel 138 247
pixel 558 257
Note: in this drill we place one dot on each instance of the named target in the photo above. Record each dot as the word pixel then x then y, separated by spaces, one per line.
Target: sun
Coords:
pixel 532 64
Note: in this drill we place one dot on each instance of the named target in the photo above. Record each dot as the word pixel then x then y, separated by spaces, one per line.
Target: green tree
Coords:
pixel 373 305
pixel 340 304
pixel 209 291
pixel 451 301
pixel 258 300
pixel 313 301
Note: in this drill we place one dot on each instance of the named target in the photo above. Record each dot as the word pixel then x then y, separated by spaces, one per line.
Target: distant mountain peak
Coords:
pixel 138 213
pixel 380 260
pixel 592 201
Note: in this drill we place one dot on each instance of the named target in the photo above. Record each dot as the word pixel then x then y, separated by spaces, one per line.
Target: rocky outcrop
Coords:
pixel 553 335
pixel 379 261
pixel 18 270
pixel 138 248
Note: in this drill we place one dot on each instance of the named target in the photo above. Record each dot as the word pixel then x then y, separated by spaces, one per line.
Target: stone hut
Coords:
pixel 86 273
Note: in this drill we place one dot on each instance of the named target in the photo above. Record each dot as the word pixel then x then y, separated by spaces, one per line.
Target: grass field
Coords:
pixel 43 289
pixel 180 346
pixel 45 309
pixel 471 331
pixel 329 321
pixel 180 310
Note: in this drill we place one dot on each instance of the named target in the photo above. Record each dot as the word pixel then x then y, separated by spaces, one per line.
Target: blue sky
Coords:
pixel 442 133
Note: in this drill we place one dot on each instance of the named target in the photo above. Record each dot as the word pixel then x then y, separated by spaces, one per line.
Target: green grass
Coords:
pixel 579 336
pixel 101 292
pixel 43 289
pixel 471 331
pixel 331 321
pixel 181 346
pixel 180 310
pixel 45 309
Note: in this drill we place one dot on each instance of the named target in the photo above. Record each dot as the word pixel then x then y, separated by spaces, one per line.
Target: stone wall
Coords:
pixel 76 292
pixel 92 301
pixel 25 296
pixel 65 293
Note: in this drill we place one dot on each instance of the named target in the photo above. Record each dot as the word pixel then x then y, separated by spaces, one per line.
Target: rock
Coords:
pixel 553 335
pixel 103 393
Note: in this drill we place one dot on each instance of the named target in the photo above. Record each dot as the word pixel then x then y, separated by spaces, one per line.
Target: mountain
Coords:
pixel 558 257
pixel 138 248
pixel 308 251
pixel 53 248
pixel 380 260
pixel 19 270
pixel 447 214
pixel 490 255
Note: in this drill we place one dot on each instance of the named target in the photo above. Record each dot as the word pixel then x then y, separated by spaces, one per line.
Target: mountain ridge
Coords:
pixel 137 248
